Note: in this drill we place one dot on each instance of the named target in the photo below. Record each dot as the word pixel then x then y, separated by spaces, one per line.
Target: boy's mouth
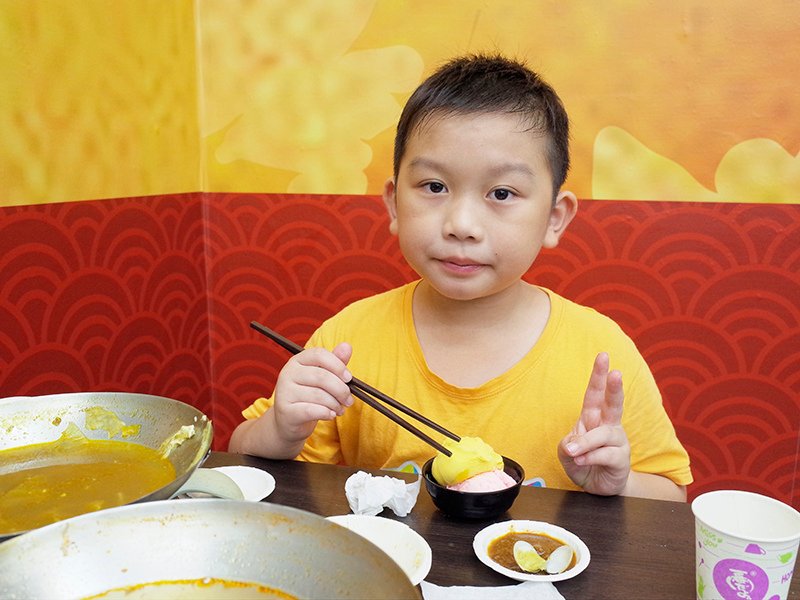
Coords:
pixel 460 265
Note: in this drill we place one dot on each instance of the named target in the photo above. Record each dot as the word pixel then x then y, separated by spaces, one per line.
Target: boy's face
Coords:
pixel 473 203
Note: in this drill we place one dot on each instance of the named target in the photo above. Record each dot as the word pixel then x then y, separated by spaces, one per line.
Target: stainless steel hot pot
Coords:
pixel 30 420
pixel 287 549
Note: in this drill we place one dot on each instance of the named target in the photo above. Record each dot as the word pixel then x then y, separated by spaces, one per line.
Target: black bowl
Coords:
pixel 474 505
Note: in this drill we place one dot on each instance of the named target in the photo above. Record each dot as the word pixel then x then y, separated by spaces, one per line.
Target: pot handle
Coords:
pixel 209 481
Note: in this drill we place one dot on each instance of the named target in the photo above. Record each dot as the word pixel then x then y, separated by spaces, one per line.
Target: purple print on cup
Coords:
pixel 740 580
pixel 754 549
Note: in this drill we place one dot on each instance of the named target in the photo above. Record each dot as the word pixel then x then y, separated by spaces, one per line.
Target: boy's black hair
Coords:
pixel 481 83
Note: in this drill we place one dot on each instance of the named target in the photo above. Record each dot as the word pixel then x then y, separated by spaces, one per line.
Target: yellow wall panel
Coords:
pixel 99 99
pixel 296 103
pixel 108 98
pixel 306 95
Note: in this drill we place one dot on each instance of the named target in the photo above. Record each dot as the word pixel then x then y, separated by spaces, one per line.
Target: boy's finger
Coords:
pixel 599 437
pixel 595 397
pixel 316 412
pixel 334 362
pixel 343 352
pixel 613 405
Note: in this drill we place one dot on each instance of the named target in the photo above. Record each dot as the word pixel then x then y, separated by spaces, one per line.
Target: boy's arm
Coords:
pixel 649 485
pixel 262 437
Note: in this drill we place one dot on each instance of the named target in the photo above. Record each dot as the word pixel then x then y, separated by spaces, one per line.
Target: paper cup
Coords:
pixel 746 546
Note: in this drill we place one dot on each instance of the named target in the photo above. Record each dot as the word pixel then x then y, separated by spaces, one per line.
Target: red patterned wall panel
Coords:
pixel 106 295
pixel 288 262
pixel 155 295
pixel 711 295
pixel 709 292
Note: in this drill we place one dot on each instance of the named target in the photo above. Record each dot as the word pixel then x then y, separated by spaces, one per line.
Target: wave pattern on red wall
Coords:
pixel 711 295
pixel 288 262
pixel 155 295
pixel 105 296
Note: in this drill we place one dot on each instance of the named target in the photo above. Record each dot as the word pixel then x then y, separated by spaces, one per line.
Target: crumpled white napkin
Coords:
pixel 369 495
pixel 531 590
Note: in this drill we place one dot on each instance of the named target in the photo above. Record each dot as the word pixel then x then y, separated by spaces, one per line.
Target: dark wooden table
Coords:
pixel 641 549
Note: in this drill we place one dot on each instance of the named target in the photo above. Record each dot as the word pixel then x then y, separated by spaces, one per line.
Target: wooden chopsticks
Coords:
pixel 369 394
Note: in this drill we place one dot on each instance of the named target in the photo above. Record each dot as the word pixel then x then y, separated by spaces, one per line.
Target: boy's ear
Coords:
pixel 390 200
pixel 564 209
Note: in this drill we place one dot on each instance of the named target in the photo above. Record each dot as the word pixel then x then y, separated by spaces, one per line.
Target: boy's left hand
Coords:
pixel 596 454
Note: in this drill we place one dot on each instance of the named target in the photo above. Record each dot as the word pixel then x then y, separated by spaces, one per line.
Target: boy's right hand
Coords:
pixel 312 386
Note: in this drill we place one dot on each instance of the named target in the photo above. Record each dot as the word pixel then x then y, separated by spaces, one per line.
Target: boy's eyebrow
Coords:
pixel 500 169
pixel 421 161
pixel 522 168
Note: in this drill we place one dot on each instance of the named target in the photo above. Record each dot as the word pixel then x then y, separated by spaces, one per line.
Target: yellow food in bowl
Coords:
pixel 470 456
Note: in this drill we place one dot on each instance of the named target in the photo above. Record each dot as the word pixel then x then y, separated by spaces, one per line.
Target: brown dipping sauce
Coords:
pixel 44 483
pixel 501 550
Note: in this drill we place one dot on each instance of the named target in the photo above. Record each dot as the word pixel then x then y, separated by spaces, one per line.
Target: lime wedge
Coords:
pixel 527 558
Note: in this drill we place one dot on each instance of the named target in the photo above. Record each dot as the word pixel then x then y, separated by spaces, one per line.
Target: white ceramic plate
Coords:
pixel 404 545
pixel 485 536
pixel 254 483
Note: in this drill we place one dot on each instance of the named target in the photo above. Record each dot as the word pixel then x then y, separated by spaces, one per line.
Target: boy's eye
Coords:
pixel 435 187
pixel 501 194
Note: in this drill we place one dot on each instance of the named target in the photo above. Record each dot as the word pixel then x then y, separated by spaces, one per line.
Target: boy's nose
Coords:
pixel 462 218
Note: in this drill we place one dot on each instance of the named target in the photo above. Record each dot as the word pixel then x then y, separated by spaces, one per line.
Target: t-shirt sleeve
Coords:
pixel 257 408
pixel 655 447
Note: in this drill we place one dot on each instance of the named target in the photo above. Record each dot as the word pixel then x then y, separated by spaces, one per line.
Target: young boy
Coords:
pixel 481 153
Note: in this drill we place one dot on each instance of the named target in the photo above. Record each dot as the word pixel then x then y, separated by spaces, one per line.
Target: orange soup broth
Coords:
pixel 48 482
pixel 210 588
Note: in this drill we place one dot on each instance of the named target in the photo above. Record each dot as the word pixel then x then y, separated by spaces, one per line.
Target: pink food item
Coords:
pixel 489 481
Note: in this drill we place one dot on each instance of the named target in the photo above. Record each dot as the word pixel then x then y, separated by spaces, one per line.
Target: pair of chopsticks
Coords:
pixel 370 396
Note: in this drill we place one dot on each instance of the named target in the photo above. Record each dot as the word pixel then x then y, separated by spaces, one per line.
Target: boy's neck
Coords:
pixel 467 343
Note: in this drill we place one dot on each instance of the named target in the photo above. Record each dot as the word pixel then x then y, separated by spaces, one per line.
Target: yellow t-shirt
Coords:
pixel 523 414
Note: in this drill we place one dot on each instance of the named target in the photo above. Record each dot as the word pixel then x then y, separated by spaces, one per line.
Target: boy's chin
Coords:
pixel 468 292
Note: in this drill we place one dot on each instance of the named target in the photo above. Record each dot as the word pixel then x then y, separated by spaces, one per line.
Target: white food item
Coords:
pixel 559 559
